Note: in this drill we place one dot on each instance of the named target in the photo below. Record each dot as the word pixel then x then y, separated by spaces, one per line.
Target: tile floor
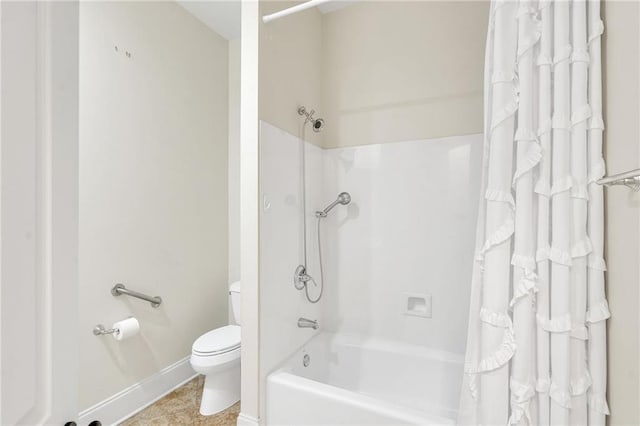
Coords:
pixel 181 407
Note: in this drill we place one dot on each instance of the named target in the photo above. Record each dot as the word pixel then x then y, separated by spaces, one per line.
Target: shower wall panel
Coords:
pixel 409 232
pixel 282 241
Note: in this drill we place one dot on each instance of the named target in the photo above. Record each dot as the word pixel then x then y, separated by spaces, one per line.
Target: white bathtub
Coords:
pixel 353 380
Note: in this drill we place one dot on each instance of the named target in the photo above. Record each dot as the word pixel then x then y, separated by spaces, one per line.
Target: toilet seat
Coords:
pixel 217 342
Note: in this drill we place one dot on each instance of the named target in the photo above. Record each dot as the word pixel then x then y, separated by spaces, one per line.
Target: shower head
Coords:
pixel 317 124
pixel 343 198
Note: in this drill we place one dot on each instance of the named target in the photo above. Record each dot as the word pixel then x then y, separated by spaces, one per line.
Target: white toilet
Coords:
pixel 216 354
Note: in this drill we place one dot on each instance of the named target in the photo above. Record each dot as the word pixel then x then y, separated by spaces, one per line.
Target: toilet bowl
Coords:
pixel 216 355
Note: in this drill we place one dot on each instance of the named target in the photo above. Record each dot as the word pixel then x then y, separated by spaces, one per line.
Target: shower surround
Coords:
pixel 406 236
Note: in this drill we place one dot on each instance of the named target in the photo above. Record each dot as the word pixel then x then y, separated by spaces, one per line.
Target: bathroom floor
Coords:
pixel 181 407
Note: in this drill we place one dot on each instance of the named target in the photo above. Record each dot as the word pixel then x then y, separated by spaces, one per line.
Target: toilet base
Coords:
pixel 221 390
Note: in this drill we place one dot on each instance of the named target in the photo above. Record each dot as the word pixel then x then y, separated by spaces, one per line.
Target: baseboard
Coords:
pixel 139 396
pixel 246 420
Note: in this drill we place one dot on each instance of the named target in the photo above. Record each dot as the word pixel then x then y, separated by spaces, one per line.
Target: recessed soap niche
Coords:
pixel 417 305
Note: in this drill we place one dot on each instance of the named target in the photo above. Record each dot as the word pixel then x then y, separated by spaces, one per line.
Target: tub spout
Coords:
pixel 307 323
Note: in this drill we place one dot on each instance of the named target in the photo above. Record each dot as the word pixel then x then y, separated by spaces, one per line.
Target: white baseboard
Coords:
pixel 139 396
pixel 245 420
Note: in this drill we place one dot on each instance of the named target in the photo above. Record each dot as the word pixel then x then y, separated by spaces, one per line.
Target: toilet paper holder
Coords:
pixel 120 330
pixel 100 329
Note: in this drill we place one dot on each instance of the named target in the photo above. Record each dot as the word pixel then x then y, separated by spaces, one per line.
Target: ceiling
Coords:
pixel 223 16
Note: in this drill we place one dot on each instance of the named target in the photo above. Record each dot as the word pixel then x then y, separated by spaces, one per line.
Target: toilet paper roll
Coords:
pixel 126 328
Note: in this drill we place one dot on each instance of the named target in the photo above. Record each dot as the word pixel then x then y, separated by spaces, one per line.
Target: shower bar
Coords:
pixel 298 8
pixel 119 289
pixel 630 179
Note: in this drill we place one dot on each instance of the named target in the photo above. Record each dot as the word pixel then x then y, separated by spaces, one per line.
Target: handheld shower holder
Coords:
pixel 344 198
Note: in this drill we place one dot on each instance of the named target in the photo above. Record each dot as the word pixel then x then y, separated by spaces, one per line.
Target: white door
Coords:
pixel 38 212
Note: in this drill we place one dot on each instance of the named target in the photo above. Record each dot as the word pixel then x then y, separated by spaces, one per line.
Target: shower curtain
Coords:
pixel 536 347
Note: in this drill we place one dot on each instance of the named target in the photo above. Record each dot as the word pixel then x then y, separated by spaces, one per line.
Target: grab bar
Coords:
pixel 630 179
pixel 119 289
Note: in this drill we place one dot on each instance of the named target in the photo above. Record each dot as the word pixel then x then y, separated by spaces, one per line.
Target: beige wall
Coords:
pixel 376 71
pixel 153 187
pixel 395 71
pixel 622 138
pixel 290 68
pixel 234 160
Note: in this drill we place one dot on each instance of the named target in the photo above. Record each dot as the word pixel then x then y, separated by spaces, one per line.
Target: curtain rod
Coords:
pixel 294 9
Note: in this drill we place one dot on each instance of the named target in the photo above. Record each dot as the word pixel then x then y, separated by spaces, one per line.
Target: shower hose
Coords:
pixel 306 289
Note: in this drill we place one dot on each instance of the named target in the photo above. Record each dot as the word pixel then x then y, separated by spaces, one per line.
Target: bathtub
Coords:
pixel 353 380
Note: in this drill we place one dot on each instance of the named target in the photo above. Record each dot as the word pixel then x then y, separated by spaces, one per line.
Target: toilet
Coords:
pixel 216 355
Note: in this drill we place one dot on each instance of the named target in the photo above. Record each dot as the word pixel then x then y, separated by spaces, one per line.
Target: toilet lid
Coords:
pixel 223 339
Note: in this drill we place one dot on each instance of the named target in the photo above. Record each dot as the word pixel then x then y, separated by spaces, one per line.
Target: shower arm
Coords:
pixel 308 115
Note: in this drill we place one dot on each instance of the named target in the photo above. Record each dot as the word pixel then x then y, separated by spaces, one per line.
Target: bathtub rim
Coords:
pixel 360 400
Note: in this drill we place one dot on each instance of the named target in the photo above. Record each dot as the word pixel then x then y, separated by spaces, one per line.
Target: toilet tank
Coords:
pixel 234 296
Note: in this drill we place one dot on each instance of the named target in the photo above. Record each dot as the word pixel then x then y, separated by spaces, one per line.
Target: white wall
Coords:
pixel 39 212
pixel 153 187
pixel 403 70
pixel 409 228
pixel 249 214
pixel 621 56
pixel 281 241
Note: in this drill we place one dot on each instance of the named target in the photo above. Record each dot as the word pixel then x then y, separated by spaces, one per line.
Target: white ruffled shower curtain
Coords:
pixel 536 348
